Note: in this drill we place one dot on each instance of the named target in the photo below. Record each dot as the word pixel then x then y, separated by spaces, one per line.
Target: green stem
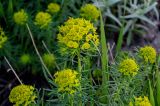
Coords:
pixel 80 75
pixel 151 95
pixel 71 99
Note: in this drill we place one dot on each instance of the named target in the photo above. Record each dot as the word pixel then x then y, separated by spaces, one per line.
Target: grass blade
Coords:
pixel 158 88
pixel 151 96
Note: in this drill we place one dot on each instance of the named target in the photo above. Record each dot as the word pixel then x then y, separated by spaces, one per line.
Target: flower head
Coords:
pixel 139 101
pixel 25 59
pixel 49 59
pixel 43 20
pixel 128 67
pixel 22 95
pixel 89 12
pixel 67 81
pixel 3 37
pixel 78 34
pixel 20 17
pixel 148 53
pixel 53 8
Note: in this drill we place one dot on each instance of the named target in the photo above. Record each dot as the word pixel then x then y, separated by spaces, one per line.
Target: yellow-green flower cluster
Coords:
pixel 53 8
pixel 148 53
pixel 20 17
pixel 25 59
pixel 43 20
pixel 67 81
pixel 89 12
pixel 3 37
pixel 78 34
pixel 49 59
pixel 139 101
pixel 128 67
pixel 22 95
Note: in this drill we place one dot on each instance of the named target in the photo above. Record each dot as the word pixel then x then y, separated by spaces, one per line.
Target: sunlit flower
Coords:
pixel 128 67
pixel 53 8
pixel 139 101
pixel 78 34
pixel 67 81
pixel 3 37
pixel 43 20
pixel 148 53
pixel 20 17
pixel 89 12
pixel 22 95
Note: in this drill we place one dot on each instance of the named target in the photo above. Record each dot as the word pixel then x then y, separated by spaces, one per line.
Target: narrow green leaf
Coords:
pixel 151 96
pixel 158 88
pixel 104 60
pixel 104 57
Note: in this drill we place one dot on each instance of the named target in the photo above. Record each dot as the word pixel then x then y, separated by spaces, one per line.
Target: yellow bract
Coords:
pixel 128 67
pixel 67 81
pixel 3 37
pixel 20 17
pixel 53 8
pixel 78 33
pixel 43 20
pixel 22 95
pixel 85 46
pixel 89 12
pixel 148 53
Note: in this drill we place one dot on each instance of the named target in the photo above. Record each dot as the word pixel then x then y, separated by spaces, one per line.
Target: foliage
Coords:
pixel 71 36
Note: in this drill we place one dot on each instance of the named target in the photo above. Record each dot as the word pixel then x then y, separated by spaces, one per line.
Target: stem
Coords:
pixel 38 52
pixel 80 73
pixel 71 100
pixel 13 70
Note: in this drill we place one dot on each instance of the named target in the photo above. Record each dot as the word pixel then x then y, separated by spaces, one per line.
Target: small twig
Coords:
pixel 13 70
